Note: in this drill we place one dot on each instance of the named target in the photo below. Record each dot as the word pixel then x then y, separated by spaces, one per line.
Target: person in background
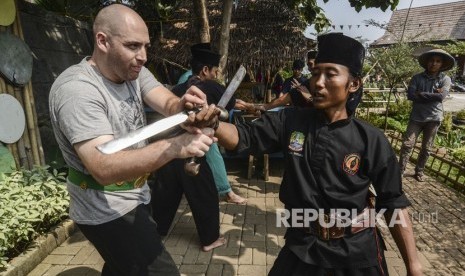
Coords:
pixel 427 91
pixel 311 55
pixel 295 91
pixel 277 86
pixel 297 67
pixel 100 99
pixel 171 181
pixel 334 164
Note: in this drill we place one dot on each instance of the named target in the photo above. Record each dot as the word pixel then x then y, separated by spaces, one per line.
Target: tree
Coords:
pixel 224 40
pixel 397 65
pixel 311 13
pixel 203 26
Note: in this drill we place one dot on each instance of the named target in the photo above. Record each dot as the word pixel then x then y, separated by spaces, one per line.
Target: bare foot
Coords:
pixel 235 198
pixel 219 242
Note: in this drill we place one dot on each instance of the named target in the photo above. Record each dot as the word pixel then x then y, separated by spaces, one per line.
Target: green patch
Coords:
pixel 7 162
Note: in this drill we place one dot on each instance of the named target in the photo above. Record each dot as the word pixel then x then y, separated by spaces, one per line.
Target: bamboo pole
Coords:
pixel 27 149
pixel 31 118
pixel 37 139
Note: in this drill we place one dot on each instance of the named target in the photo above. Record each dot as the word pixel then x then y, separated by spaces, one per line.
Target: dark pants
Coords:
pixel 414 129
pixel 289 264
pixel 130 245
pixel 171 182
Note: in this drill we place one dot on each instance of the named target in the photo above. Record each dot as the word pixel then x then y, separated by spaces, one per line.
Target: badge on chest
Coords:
pixel 351 163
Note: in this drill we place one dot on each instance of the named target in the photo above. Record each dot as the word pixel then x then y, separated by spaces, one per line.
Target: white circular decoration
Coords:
pixel 12 120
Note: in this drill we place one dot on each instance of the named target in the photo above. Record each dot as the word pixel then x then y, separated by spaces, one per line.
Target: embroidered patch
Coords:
pixel 351 163
pixel 296 143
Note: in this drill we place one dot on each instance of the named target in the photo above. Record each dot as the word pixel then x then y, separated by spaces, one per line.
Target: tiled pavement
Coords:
pixel 254 240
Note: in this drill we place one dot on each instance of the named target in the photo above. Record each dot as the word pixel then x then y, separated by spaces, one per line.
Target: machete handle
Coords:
pixel 224 114
pixel 191 167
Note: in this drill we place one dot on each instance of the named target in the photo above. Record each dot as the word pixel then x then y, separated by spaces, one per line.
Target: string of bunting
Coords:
pixel 349 26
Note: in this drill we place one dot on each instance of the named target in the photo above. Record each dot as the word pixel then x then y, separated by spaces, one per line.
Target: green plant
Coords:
pixel 401 111
pixel 446 125
pixel 30 203
pixel 452 139
pixel 459 155
pixel 460 115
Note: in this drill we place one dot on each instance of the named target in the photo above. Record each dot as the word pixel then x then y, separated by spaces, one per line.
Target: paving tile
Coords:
pixel 254 239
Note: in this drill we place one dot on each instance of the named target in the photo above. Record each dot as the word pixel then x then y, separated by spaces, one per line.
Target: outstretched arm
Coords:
pixel 403 236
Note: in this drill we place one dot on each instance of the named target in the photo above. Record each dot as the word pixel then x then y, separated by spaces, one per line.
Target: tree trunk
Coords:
pixel 202 25
pixel 387 108
pixel 224 39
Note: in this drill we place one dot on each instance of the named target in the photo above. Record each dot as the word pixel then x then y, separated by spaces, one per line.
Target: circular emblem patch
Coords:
pixel 351 163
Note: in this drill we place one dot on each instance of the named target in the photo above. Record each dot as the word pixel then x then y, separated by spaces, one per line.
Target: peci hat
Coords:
pixel 448 61
pixel 203 53
pixel 298 64
pixel 311 54
pixel 340 49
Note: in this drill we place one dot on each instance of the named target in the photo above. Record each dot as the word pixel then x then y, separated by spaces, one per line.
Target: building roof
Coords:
pixel 435 23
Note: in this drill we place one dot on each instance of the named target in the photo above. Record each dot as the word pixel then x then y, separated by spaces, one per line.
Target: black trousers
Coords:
pixel 131 246
pixel 289 264
pixel 171 182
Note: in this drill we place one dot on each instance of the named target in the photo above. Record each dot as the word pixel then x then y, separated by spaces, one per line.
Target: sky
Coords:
pixel 341 13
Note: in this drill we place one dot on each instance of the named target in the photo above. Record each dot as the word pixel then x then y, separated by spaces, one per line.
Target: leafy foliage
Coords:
pixel 400 111
pixel 454 47
pixel 459 155
pixel 30 203
pixel 396 63
pixel 382 4
pixel 311 13
pixel 453 139
pixel 446 124
pixel 460 115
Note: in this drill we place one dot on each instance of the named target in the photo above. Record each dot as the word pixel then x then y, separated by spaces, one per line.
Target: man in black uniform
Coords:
pixel 290 93
pixel 171 181
pixel 331 161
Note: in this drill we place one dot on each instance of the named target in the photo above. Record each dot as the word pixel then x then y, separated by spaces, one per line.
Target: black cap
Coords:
pixel 311 54
pixel 203 53
pixel 298 64
pixel 340 49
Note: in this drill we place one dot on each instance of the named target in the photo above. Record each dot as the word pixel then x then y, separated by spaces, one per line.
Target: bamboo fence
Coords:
pixel 439 164
pixel 27 151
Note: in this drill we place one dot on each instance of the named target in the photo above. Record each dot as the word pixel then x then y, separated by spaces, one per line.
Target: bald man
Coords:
pixel 102 98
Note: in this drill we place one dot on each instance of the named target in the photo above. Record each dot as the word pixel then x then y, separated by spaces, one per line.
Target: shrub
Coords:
pixel 446 125
pixel 452 139
pixel 460 115
pixel 459 155
pixel 30 203
pixel 401 111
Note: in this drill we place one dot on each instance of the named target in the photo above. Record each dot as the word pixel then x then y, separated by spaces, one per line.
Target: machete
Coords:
pixel 157 127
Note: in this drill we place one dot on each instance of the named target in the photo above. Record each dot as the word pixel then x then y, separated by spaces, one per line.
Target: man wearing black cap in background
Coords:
pixel 311 55
pixel 426 90
pixel 291 93
pixel 171 181
pixel 331 158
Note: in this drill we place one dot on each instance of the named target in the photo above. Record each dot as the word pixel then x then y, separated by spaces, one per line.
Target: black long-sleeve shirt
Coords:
pixel 328 166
